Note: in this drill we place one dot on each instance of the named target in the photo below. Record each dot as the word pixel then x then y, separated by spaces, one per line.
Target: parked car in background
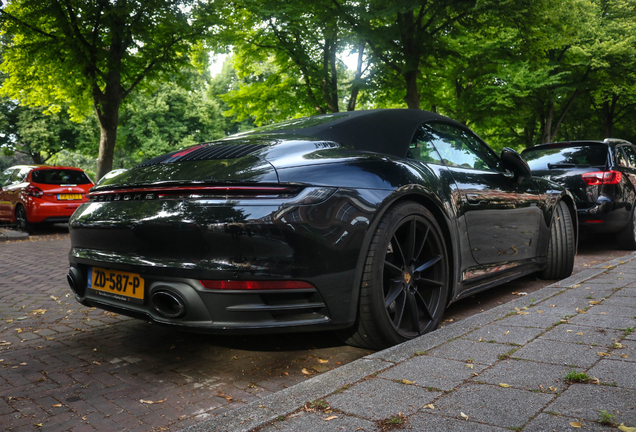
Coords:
pixel 602 177
pixel 366 222
pixel 35 194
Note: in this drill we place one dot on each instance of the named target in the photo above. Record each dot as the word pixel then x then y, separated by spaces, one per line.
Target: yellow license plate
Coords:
pixel 63 197
pixel 117 283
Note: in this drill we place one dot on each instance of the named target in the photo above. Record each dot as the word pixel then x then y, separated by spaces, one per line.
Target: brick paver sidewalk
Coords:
pixel 510 368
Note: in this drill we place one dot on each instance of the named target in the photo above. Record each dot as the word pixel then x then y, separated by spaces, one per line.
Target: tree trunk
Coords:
pixel 107 110
pixel 411 58
pixel 355 87
pixel 608 113
pixel 546 124
pixel 412 97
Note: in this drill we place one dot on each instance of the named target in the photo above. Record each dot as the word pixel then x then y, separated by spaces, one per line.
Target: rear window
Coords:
pixel 60 177
pixel 577 156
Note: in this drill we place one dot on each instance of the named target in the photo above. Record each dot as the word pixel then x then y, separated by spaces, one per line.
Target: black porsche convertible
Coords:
pixel 365 222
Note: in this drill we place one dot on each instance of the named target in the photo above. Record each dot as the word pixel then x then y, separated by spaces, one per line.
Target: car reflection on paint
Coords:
pixel 367 222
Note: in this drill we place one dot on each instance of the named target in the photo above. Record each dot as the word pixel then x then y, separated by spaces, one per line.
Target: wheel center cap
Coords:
pixel 407 277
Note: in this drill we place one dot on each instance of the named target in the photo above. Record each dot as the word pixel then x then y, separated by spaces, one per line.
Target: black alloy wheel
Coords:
pixel 21 220
pixel 405 281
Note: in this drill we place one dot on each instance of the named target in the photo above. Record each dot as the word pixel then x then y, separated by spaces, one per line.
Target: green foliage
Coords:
pixel 607 419
pixel 93 55
pixel 165 120
pixel 573 376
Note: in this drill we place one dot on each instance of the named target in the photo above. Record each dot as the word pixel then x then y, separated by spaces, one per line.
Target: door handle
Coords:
pixel 473 198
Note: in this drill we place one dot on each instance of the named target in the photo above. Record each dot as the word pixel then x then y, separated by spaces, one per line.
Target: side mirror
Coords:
pixel 511 160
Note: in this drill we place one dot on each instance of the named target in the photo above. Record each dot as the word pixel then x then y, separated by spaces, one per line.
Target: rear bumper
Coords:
pixel 605 216
pixel 39 210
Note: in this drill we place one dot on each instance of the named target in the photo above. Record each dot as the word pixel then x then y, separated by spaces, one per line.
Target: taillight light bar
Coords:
pixel 255 285
pixel 189 191
pixel 33 191
pixel 602 178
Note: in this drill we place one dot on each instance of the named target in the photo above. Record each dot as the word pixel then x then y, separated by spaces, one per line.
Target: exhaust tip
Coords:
pixel 168 304
pixel 73 278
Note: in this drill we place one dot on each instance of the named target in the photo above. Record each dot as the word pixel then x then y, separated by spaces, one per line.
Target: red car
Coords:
pixel 32 194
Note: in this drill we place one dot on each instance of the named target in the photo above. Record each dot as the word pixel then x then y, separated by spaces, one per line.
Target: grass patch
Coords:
pixel 573 376
pixel 391 423
pixel 628 331
pixel 419 353
pixel 606 418
pixel 507 355
pixel 318 404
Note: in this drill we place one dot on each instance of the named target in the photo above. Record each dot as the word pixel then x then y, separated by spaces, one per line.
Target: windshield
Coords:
pixel 573 156
pixel 60 177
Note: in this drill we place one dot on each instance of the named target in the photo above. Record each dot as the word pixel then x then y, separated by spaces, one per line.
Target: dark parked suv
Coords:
pixel 602 177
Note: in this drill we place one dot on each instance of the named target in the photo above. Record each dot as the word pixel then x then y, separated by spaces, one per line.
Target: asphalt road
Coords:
pixel 67 366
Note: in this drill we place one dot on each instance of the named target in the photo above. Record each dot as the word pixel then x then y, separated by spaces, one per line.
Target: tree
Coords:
pixel 167 119
pixel 97 53
pixel 287 57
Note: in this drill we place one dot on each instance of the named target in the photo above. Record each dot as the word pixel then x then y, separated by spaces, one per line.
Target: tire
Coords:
pixel 405 281
pixel 561 246
pixel 626 238
pixel 22 221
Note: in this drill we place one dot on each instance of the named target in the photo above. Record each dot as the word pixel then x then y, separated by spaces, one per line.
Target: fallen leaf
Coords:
pixel 38 311
pixel 594 302
pixel 469 366
pixel 608 266
pixel 504 385
pixel 579 334
pixel 506 332
pixel 56 405
pixel 331 418
pixel 576 286
pixel 151 402
pixel 624 356
pixel 429 406
pixel 575 424
pixel 553 388
pixel 38 424
pixel 579 310
pixel 618 345
pixel 322 361
pixel 307 372
pixel 569 331
pixel 539 311
pixel 463 415
pixel 552 305
pixel 595 381
pixel 522 313
pixel 603 354
pixel 624 428
pixel 403 381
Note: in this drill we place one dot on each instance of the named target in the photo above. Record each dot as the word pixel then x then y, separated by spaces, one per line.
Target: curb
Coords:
pixel 284 402
pixel 9 234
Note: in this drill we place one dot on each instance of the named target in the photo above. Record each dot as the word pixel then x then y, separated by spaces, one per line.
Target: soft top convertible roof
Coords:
pixel 387 131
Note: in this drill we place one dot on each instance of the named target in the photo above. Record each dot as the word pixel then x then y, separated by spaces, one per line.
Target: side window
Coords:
pixel 460 148
pixel 19 175
pixel 630 152
pixel 620 157
pixel 5 176
pixel 422 148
